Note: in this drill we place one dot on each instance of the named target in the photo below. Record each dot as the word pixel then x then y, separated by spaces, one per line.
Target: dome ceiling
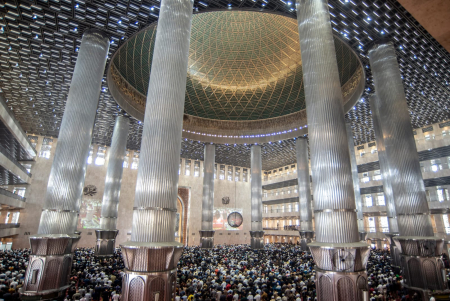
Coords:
pixel 243 66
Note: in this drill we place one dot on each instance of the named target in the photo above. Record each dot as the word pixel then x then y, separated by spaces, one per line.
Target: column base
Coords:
pixel 394 251
pixel 50 263
pixel 340 270
pixel 150 270
pixel 362 235
pixel 420 262
pixel 257 240
pixel 306 237
pixel 206 239
pixel 106 242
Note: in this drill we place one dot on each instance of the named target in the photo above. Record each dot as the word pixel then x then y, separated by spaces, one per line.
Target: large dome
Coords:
pixel 244 76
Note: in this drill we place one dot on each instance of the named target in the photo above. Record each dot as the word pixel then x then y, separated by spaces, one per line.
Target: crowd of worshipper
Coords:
pixel 224 273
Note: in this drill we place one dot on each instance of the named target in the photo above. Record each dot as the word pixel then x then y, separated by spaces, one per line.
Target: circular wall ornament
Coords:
pixel 235 219
pixel 90 190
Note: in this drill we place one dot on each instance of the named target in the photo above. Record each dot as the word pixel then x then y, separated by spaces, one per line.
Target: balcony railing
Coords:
pixel 12 195
pixel 11 158
pixel 283 228
pixel 9 226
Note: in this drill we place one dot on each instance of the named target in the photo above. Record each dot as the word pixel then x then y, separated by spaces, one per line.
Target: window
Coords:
pixel 135 162
pixel 429 137
pixel 237 174
pixel 20 191
pixel 436 165
pixel 442 194
pixel 7 217
pixel 369 201
pixel 286 170
pixel 372 228
pixel 446 223
pixel 362 153
pixel 91 153
pixel 33 140
pixel 126 159
pixel 46 148
pixel 27 167
pixel 215 171
pixel 374 151
pixel 222 172
pixel 15 217
pixel 293 168
pixel 179 166
pixel 384 223
pixel 244 174
pixel 187 168
pixel 196 168
pixel 380 200
pixel 376 175
pixel 101 156
pixel 365 177
pixel 230 173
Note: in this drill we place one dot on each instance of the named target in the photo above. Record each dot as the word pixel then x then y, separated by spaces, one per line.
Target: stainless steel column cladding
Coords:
pixel 207 233
pixel 152 254
pixel 387 189
pixel 337 251
pixel 107 233
pixel 355 177
pixel 418 247
pixel 304 192
pixel 57 226
pixel 257 233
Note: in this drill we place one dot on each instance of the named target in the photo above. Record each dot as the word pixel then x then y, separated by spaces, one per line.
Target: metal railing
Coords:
pixel 7 155
pixel 287 210
pixel 9 226
pixel 283 228
pixel 12 195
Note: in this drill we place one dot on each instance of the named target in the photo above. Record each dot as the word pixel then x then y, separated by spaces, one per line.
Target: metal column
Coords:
pixel 257 233
pixel 207 233
pixel 419 249
pixel 339 255
pixel 387 189
pixel 52 248
pixel 304 193
pixel 152 255
pixel 355 177
pixel 107 233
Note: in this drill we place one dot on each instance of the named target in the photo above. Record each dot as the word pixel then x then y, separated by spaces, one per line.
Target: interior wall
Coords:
pixel 238 192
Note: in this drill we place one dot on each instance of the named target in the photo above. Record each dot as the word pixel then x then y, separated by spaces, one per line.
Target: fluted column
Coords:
pixel 107 233
pixel 257 233
pixel 207 233
pixel 416 241
pixel 336 226
pixel 65 186
pixel 355 178
pixel 304 193
pixel 154 212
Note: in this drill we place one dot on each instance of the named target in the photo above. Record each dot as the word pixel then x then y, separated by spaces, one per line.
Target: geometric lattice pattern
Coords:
pixel 243 65
pixel 39 41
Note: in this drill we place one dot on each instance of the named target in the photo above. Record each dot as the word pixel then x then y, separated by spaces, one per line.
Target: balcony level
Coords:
pixel 7 230
pixel 11 200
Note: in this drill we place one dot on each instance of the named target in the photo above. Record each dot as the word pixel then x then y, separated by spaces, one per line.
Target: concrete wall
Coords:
pixel 238 192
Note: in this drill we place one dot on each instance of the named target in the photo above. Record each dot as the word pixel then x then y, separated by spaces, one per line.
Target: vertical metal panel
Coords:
pixel 355 177
pixel 330 158
pixel 304 184
pixel 256 188
pixel 384 169
pixel 401 153
pixel 208 187
pixel 66 181
pixel 157 178
pixel 114 172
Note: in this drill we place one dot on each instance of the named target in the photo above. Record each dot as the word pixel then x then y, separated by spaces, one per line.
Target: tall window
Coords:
pixel 179 167
pixel 230 173
pixel 446 223
pixel 196 168
pixel 91 154
pixel 436 165
pixel 369 201
pixel 7 217
pixel 365 177
pixel 293 168
pixel 286 170
pixel 237 174
pixel 15 217
pixel 187 168
pixel 380 199
pixel 244 174
pixel 215 171
pixel 46 148
pixel 372 227
pixel 384 223
pixel 135 162
pixel 101 156
pixel 377 175
pixel 442 194
pixel 222 172
pixel 20 191
pixel 126 159
pixel 33 140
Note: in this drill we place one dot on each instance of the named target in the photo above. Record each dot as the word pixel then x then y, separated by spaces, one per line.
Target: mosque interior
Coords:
pixel 253 167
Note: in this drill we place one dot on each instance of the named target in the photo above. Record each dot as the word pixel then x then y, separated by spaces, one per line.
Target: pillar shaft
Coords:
pixel 256 233
pixel 384 170
pixel 51 250
pixel 207 233
pixel 336 226
pixel 402 159
pixel 152 255
pixel 107 233
pixel 65 185
pixel 355 178
pixel 113 182
pixel 304 192
pixel 418 250
pixel 156 189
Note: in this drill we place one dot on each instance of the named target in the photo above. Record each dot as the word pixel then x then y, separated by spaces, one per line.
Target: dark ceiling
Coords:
pixel 39 41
